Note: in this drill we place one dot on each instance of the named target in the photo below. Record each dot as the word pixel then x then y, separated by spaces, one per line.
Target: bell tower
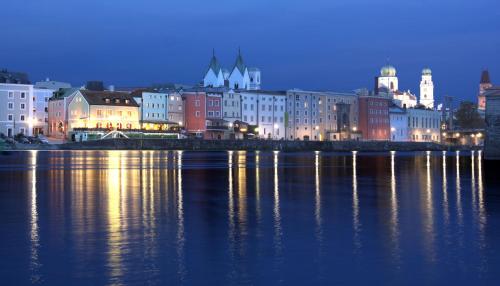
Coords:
pixel 427 89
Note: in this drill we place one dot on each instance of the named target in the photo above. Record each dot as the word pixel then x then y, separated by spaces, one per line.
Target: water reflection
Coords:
pixel 444 175
pixel 181 240
pixel 317 209
pixel 458 189
pixel 394 210
pixel 355 204
pixel 34 231
pixel 276 210
pixel 482 212
pixel 257 187
pixel 428 211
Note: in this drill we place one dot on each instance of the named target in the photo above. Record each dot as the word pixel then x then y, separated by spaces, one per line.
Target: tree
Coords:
pixel 467 116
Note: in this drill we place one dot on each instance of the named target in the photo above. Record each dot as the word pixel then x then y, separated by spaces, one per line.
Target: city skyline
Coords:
pixel 337 46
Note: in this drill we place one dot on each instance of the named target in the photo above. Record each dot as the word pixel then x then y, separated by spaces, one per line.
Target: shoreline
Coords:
pixel 247 145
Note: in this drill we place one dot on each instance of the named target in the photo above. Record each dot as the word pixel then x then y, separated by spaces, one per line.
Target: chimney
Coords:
pixel 376 85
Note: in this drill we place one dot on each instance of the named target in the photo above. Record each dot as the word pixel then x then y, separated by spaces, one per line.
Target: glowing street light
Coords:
pixel 393 129
pixel 276 126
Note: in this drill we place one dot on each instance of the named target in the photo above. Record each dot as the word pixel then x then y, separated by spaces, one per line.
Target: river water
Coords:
pixel 248 218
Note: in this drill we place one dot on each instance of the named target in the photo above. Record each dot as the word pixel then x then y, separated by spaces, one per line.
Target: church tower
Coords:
pixel 484 84
pixel 388 79
pixel 427 89
pixel 213 76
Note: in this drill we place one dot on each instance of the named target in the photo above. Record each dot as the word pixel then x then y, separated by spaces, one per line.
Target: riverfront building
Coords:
pixel 231 105
pixel 399 123
pixel 267 111
pixel 195 112
pixel 108 110
pixel 388 82
pixel 58 112
pixel 424 124
pixel 303 111
pixel 374 116
pixel 16 109
pixel 338 116
pixel 492 142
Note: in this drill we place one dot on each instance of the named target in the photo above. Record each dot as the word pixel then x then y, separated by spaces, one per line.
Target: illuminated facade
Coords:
pixel 484 84
pixel 424 125
pixel 16 109
pixel 103 110
pixel 58 112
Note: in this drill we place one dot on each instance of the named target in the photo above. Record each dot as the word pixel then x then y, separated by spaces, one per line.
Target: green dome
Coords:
pixel 426 71
pixel 388 71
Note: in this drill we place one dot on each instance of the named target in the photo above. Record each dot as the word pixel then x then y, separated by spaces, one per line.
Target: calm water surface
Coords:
pixel 248 218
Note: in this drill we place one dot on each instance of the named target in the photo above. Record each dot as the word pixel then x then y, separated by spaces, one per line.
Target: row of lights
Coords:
pixel 478 135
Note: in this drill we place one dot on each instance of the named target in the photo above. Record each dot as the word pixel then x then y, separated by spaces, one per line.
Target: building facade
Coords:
pixel 303 115
pixel 231 106
pixel 103 110
pixel 388 82
pixel 424 125
pixel 58 112
pixel 267 111
pixel 374 117
pixel 398 119
pixel 338 115
pixel 41 110
pixel 492 140
pixel 195 112
pixel 16 111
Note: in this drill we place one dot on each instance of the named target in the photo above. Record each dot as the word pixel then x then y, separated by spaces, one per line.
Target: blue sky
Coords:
pixel 310 44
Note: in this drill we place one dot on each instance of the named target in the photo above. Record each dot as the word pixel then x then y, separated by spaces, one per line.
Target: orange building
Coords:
pixel 374 123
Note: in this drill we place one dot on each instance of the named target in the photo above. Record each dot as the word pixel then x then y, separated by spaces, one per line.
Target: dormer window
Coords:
pixel 117 100
pixel 127 101
pixel 107 100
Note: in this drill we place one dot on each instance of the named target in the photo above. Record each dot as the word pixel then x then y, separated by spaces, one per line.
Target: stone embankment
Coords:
pixel 250 145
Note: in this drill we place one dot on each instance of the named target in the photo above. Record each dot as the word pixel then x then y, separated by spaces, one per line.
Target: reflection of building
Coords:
pixel 399 123
pixel 240 77
pixel 16 111
pixel 103 109
pixel 374 116
pixel 58 112
pixel 484 84
pixel 424 125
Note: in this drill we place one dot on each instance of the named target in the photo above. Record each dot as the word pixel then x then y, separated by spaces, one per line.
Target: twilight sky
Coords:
pixel 337 45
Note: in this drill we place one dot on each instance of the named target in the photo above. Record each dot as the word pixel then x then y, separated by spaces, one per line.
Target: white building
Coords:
pixel 16 109
pixel 239 77
pixel 399 124
pixel 41 110
pixel 159 110
pixel 424 125
pixel 267 110
pixel 231 106
pixel 51 84
pixel 388 82
pixel 427 89
pixel 214 76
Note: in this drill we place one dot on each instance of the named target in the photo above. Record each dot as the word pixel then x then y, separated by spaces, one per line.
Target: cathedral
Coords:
pixel 239 77
pixel 388 82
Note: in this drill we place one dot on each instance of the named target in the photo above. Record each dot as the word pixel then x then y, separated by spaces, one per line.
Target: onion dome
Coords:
pixel 388 71
pixel 426 71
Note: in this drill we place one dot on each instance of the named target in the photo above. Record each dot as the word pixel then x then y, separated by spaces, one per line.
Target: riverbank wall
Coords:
pixel 249 145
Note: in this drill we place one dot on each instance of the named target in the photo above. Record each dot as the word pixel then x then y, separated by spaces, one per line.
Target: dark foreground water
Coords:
pixel 237 218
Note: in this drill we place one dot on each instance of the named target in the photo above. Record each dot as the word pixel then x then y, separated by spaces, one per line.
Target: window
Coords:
pixel 22 118
pixel 197 114
pixel 197 103
pixel 10 117
pixel 23 106
pixel 10 105
pixel 11 94
pixel 99 113
pixel 23 95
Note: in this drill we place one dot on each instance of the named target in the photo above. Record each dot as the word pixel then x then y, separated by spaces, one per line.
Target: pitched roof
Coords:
pixel 485 77
pixel 240 64
pixel 111 98
pixel 214 65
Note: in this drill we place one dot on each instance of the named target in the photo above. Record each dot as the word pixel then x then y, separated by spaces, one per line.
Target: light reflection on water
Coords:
pixel 249 217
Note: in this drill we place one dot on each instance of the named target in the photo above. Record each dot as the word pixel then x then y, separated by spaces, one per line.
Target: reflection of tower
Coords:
pixel 484 84
pixel 427 89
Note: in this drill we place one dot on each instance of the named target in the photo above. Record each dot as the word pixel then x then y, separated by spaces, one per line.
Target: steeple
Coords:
pixel 485 77
pixel 214 64
pixel 240 64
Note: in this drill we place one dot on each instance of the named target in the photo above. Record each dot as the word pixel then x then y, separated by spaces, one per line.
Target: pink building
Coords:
pixel 58 113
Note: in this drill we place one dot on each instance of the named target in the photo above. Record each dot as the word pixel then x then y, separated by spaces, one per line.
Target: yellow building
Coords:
pixel 103 110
